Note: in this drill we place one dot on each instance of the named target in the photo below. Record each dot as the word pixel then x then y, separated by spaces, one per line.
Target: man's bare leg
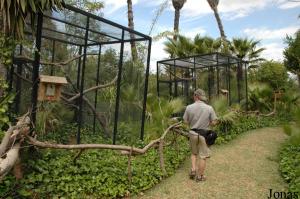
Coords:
pixel 194 162
pixel 202 165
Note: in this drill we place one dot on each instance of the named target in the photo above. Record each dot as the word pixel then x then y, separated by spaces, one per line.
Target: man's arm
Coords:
pixel 213 118
pixel 186 117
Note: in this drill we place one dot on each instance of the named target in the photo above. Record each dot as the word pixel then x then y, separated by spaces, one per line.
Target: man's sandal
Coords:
pixel 200 178
pixel 192 174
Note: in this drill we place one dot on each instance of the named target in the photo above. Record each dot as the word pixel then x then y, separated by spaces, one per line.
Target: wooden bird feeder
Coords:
pixel 50 87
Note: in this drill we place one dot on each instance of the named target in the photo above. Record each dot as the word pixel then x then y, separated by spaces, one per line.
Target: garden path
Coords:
pixel 245 168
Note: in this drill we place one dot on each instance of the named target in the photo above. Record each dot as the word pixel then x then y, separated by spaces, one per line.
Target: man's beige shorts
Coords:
pixel 198 145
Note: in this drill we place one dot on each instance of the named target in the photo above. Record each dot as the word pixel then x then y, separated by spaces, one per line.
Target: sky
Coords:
pixel 266 20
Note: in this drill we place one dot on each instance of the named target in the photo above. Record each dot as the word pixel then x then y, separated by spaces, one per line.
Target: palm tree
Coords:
pixel 177 4
pixel 245 49
pixel 131 26
pixel 181 47
pixel 214 6
pixel 206 44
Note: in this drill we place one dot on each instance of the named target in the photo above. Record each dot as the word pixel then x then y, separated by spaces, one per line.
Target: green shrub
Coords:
pixel 290 166
pixel 245 123
pixel 290 154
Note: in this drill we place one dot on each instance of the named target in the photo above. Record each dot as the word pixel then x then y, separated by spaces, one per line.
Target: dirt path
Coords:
pixel 245 168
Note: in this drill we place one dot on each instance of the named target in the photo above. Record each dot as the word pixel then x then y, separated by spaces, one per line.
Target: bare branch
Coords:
pixel 94 88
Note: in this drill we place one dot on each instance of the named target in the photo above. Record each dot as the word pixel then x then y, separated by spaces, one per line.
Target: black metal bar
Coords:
pixel 78 26
pixel 182 84
pixel 79 68
pixel 36 67
pixel 218 76
pixel 175 85
pixel 116 42
pixel 96 91
pixel 106 21
pixel 246 82
pixel 170 84
pixel 146 90
pixel 18 84
pixel 120 66
pixel 53 57
pixel 195 75
pixel 239 68
pixel 11 77
pixel 209 83
pixel 82 81
pixel 157 78
pixel 229 84
pixel 68 34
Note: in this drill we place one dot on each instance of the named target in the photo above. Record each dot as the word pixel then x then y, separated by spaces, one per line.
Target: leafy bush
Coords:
pixel 290 155
pixel 290 165
pixel 245 123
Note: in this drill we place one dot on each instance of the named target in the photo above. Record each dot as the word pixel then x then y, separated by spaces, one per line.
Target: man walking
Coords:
pixel 199 115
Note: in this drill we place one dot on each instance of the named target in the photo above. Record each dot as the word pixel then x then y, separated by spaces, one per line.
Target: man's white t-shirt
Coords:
pixel 199 115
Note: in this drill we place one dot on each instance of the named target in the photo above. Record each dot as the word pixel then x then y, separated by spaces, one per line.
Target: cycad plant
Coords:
pixel 226 115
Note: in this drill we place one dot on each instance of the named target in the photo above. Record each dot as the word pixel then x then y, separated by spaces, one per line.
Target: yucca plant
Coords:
pixel 159 114
pixel 14 13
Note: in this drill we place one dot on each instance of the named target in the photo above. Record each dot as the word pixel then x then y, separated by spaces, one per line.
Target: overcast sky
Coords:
pixel 266 20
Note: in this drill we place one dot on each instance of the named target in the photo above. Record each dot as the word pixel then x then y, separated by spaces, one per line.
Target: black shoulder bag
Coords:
pixel 209 135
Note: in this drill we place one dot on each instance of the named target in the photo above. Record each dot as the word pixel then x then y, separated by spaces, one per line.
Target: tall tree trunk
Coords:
pixel 131 26
pixel 176 23
pixel 239 79
pixel 220 25
pixel 221 28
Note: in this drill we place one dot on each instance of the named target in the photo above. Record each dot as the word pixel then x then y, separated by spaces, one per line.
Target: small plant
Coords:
pixel 5 100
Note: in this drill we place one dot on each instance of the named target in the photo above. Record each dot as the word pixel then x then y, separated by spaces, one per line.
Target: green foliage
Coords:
pixel 290 166
pixel 272 73
pixel 5 100
pixel 185 46
pixel 260 97
pixel 7 46
pixel 87 5
pixel 291 54
pixel 15 13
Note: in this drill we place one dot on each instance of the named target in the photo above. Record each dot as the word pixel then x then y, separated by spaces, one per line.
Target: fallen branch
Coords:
pixel 9 161
pixel 134 150
pixel 161 157
pixel 12 132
